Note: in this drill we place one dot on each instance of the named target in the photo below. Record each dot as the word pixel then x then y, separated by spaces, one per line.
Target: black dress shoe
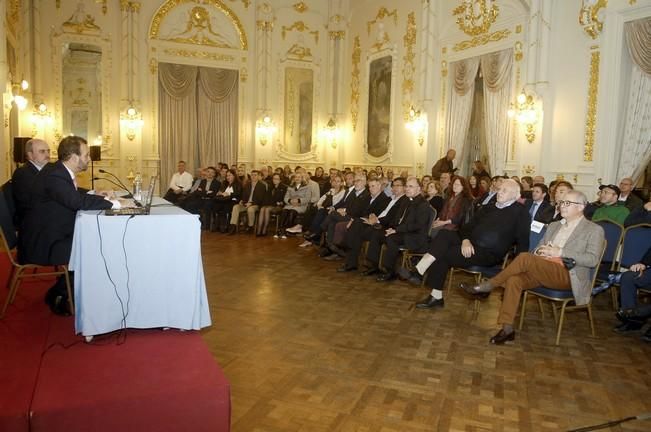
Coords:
pixel 231 229
pixel 386 277
pixel 430 302
pixel 502 337
pixel 344 268
pixel 324 252
pixel 470 290
pixel 412 277
pixel 371 271
pixel 629 326
pixel 646 337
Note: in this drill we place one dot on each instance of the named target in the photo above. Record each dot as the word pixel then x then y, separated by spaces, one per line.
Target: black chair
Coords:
pixel 9 242
pixel 614 234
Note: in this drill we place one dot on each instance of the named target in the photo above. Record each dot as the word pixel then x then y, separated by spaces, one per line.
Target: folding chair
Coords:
pixel 565 298
pixel 9 241
pixel 614 234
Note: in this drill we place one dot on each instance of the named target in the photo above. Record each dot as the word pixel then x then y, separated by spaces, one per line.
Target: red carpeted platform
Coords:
pixel 153 380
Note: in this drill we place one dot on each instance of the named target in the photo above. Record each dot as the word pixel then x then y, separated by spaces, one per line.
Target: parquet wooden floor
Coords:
pixel 309 349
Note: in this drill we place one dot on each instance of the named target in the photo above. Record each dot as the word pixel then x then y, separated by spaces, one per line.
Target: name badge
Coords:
pixel 537 226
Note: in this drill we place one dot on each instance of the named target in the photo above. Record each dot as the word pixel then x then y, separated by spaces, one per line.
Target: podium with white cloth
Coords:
pixel 138 271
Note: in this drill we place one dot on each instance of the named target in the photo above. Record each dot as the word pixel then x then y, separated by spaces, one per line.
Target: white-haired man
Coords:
pixel 573 240
pixel 483 241
pixel 37 153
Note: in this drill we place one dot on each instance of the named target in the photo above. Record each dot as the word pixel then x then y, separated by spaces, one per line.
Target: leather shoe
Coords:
pixel 371 271
pixel 344 268
pixel 386 277
pixel 629 326
pixel 231 229
pixel 324 252
pixel 332 257
pixel 430 302
pixel 471 291
pixel 502 337
pixel 646 337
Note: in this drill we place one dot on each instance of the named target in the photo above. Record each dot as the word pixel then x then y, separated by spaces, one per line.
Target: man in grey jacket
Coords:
pixel 574 239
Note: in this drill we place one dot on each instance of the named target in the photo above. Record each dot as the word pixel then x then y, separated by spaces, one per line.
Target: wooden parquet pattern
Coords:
pixel 309 349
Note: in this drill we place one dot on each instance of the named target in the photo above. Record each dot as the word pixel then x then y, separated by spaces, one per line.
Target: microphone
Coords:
pixel 130 195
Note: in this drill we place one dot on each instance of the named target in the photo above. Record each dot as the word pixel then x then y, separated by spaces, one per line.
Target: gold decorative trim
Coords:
pixel 381 14
pixel 591 115
pixel 265 26
pixel 200 55
pixel 482 40
pixel 590 19
pixel 246 3
pixel 81 22
pixel 300 26
pixel 444 68
pixel 153 66
pixel 167 7
pixel 518 29
pixel 517 50
pixel 444 50
pixel 474 24
pixel 354 83
pixel 300 7
pixel 299 52
pixel 244 74
pixel 337 35
pixel 409 67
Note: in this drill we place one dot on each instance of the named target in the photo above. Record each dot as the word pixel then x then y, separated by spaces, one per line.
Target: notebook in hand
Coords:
pixel 132 211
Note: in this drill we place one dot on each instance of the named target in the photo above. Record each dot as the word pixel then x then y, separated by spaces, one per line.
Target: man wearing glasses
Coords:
pixel 611 208
pixel 563 260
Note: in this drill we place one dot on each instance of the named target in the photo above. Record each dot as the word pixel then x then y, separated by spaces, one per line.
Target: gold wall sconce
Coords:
pixel 132 121
pixel 331 132
pixel 417 123
pixel 525 112
pixel 265 128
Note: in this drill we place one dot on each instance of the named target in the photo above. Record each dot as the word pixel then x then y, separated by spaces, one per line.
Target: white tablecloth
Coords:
pixel 155 280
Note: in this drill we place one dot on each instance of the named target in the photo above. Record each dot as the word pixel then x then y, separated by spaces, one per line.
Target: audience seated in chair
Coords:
pixel 374 226
pixel 564 260
pixel 230 193
pixel 37 153
pixel 557 192
pixel 273 204
pixel 626 195
pixel 202 199
pixel 484 241
pixel 490 196
pixel 315 193
pixel 253 193
pixel 408 231
pixel 297 199
pixel 325 206
pixel 610 209
pixel 639 215
pixel 538 206
pixel 433 194
pixel 180 184
pixel 456 209
pixel 638 276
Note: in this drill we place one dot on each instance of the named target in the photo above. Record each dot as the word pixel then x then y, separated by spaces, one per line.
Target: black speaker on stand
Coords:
pixel 95 155
pixel 19 149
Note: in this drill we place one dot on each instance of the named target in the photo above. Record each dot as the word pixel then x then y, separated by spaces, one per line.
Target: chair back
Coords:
pixel 534 238
pixel 8 192
pixel 432 217
pixel 7 228
pixel 635 243
pixel 614 233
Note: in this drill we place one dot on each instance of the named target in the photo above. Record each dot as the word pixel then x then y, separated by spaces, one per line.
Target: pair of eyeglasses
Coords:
pixel 566 203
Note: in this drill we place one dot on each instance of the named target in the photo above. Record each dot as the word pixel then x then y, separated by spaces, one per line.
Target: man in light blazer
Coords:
pixel 573 239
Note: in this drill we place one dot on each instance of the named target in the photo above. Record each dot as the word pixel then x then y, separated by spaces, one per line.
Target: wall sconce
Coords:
pixel 331 132
pixel 417 124
pixel 524 111
pixel 41 117
pixel 265 129
pixel 17 90
pixel 132 121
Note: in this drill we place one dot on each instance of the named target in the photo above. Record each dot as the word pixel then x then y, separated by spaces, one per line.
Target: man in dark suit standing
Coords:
pixel 49 224
pixel 538 206
pixel 37 153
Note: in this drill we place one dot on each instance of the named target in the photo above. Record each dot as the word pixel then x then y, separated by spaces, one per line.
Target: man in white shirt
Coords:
pixel 630 200
pixel 180 184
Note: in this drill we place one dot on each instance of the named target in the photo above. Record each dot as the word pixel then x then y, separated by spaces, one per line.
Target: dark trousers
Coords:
pixel 357 234
pixel 446 248
pixel 376 239
pixel 329 224
pixel 629 284
pixel 317 220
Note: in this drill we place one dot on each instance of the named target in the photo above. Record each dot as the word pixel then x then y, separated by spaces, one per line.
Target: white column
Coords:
pixel 5 164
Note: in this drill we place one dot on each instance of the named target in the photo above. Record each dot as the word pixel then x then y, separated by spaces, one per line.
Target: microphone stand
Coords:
pixel 128 195
pixel 119 181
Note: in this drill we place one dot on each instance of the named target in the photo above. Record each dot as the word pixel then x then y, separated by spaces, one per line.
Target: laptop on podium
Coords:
pixel 133 211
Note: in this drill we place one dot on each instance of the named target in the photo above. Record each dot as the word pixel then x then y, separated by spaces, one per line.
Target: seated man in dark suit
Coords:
pixel 374 225
pixel 352 205
pixel 483 241
pixel 576 239
pixel 410 231
pixel 490 196
pixel 202 199
pixel 376 204
pixel 253 196
pixel 49 224
pixel 538 206
pixel 37 153
pixel 639 215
